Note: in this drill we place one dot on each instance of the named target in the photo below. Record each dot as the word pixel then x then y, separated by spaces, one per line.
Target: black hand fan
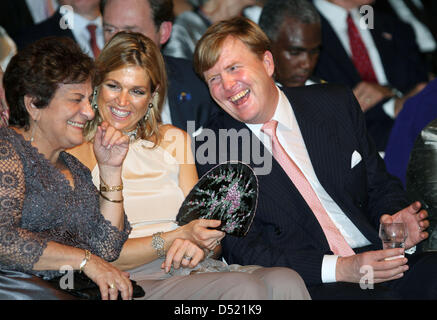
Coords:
pixel 228 192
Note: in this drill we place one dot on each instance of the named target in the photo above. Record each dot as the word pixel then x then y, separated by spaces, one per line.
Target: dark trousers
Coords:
pixel 418 282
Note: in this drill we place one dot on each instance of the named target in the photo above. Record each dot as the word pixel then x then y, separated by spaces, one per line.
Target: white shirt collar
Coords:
pixel 335 14
pixel 283 114
pixel 82 35
pixel 80 23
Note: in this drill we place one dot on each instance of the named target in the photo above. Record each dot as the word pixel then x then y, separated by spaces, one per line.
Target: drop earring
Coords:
pixel 32 137
pixel 94 101
pixel 149 107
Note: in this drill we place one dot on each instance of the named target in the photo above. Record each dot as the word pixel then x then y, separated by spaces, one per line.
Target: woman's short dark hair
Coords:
pixel 38 70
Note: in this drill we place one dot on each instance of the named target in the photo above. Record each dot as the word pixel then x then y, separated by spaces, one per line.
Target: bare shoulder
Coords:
pixel 171 129
pixel 175 141
pixel 171 134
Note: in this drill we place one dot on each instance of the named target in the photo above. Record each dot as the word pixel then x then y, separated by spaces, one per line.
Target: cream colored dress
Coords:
pixel 152 198
pixel 151 191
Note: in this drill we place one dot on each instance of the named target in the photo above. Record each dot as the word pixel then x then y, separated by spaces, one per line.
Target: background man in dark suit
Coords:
pixel 380 62
pixel 295 32
pixel 320 205
pixel 18 15
pixel 187 98
pixel 83 24
pixel 420 15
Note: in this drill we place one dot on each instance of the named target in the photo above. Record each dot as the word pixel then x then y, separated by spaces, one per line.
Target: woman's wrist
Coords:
pixel 183 232
pixel 110 175
pixel 85 260
pixel 115 190
pixel 105 187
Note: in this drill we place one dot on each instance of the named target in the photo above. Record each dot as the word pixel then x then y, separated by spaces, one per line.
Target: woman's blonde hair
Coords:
pixel 133 49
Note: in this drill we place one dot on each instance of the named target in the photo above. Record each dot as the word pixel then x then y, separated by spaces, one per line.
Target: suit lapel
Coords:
pixel 320 140
pixel 171 96
pixel 383 39
pixel 334 48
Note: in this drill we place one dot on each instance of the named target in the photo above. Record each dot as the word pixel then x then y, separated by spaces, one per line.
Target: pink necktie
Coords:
pixel 336 241
pixel 360 56
pixel 93 40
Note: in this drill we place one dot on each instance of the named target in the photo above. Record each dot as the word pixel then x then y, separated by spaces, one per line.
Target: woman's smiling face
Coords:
pixel 124 96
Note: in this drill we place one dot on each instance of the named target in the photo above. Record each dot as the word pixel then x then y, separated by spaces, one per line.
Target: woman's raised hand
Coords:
pixel 110 146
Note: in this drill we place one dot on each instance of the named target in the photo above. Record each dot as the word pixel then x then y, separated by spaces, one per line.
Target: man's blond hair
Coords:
pixel 208 48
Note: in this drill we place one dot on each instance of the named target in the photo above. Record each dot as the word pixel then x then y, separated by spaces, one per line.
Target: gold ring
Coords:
pixel 112 286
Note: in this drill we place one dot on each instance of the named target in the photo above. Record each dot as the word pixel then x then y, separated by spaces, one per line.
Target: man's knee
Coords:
pixel 244 286
pixel 284 283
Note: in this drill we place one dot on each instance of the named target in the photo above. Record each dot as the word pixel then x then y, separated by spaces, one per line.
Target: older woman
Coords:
pixel 158 173
pixel 51 214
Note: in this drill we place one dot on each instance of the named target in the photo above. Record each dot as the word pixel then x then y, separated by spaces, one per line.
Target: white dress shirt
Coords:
pixel 82 35
pixel 336 17
pixel 290 137
pixel 38 9
pixel 424 38
pixel 165 112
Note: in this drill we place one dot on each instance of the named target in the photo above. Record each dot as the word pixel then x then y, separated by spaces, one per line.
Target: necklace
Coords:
pixel 132 134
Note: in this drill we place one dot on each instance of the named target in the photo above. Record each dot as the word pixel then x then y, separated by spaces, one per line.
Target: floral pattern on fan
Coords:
pixel 228 192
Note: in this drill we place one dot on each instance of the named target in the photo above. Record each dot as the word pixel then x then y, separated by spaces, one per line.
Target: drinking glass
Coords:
pixel 393 235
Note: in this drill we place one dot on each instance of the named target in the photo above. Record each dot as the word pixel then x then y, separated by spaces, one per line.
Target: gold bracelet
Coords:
pixel 105 188
pixel 85 260
pixel 111 200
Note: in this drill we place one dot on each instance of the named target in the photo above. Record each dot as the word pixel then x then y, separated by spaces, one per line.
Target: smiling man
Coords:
pixel 294 30
pixel 320 205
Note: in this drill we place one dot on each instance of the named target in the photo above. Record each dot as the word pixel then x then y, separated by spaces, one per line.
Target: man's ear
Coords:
pixel 165 32
pixel 269 63
pixel 33 111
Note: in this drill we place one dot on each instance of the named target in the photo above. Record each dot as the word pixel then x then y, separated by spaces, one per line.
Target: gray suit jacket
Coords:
pixel 188 28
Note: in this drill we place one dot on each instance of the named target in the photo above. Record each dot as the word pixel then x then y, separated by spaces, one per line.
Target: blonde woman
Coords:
pixel 158 173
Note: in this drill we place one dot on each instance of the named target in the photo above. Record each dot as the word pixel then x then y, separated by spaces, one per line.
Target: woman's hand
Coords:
pixel 182 253
pixel 110 279
pixel 110 146
pixel 199 232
